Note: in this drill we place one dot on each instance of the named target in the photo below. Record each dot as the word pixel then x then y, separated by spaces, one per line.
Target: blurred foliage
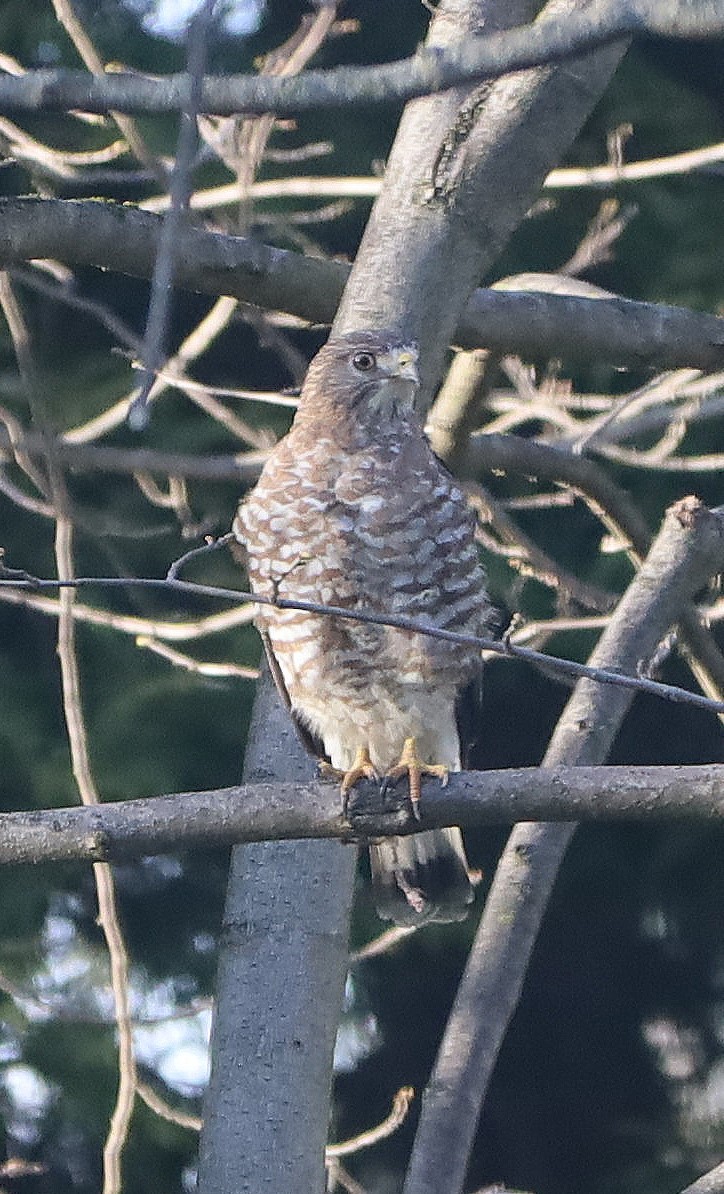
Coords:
pixel 612 1077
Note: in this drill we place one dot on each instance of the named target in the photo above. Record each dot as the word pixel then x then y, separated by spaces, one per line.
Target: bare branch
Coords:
pixel 105 884
pixel 179 659
pixel 182 630
pixel 612 174
pixel 180 187
pixel 244 468
pixel 428 72
pixel 174 375
pixel 398 1113
pixel 68 18
pixel 320 186
pixel 710 1183
pixel 157 1104
pixel 531 325
pixel 280 811
pixel 684 555
pixel 79 753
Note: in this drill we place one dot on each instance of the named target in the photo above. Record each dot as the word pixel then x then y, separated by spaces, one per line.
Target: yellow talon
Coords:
pixel 410 764
pixel 361 769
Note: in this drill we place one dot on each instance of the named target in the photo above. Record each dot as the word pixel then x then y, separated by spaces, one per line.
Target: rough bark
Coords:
pixel 687 552
pixel 283 963
pixel 267 811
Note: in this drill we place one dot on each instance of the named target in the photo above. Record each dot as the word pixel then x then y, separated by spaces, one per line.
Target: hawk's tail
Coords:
pixel 421 878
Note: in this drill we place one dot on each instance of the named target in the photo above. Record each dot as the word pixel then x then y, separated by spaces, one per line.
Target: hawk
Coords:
pixel 353 509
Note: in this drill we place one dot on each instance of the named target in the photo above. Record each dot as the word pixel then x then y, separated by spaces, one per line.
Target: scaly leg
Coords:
pixel 410 764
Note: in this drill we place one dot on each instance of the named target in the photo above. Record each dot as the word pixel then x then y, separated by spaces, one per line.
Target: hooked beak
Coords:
pixel 403 362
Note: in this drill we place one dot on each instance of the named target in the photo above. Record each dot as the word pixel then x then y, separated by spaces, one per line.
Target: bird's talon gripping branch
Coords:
pixel 361 769
pixel 411 765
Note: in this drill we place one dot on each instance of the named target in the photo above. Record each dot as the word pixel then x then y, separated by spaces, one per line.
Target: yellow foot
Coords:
pixel 411 765
pixel 361 769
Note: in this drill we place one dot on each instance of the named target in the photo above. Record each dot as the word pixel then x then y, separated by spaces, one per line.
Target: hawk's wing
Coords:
pixel 469 715
pixel 311 743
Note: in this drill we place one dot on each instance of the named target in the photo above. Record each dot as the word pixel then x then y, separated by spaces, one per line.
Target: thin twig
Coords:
pixel 159 308
pixel 68 18
pixel 551 663
pixel 526 557
pixel 397 1116
pixel 105 886
pixel 612 174
pixel 184 630
pixel 173 374
pixel 157 1104
pixel 324 186
pixel 80 758
pixel 382 944
pixel 178 659
pixel 338 1176
pixel 565 667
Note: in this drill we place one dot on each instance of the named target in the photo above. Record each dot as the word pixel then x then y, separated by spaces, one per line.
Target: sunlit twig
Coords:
pixel 398 1113
pixel 178 659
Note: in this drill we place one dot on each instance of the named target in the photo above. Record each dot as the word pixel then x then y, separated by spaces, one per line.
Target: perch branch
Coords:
pixel 276 811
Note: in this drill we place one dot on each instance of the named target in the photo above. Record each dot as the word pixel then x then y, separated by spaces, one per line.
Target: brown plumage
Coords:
pixel 353 509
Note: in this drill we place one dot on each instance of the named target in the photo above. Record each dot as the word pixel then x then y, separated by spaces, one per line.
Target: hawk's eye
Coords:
pixel 364 361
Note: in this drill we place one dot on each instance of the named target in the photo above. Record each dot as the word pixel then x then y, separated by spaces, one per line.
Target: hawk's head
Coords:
pixel 366 372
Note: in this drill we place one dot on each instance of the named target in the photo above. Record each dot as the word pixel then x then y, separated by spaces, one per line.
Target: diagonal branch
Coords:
pixel 684 556
pixel 18 582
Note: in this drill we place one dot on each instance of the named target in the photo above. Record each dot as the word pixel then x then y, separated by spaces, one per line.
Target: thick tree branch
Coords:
pixel 687 552
pixel 526 323
pixel 709 1183
pixel 282 968
pixel 551 39
pixel 275 811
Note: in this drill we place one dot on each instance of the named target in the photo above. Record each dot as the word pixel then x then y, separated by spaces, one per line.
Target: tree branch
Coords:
pixel 551 39
pixel 277 811
pixel 685 554
pixel 282 970
pixel 709 1183
pixel 525 323
pixel 243 468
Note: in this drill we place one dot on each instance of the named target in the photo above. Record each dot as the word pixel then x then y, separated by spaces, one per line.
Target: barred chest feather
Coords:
pixel 384 528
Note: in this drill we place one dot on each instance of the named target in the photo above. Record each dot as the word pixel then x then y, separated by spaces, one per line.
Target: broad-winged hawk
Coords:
pixel 353 509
